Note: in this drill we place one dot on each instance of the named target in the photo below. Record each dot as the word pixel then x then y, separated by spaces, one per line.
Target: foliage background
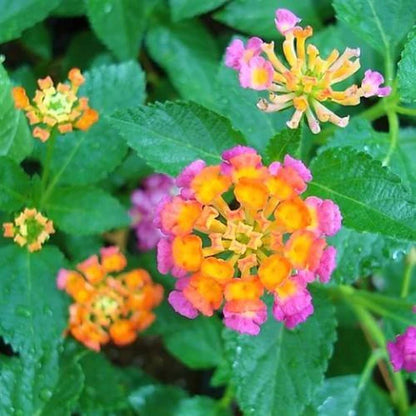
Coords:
pixel 157 52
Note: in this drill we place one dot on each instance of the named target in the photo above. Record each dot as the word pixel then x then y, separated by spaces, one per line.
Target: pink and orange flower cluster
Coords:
pixel 108 306
pixel 30 228
pixel 305 80
pixel 56 108
pixel 239 230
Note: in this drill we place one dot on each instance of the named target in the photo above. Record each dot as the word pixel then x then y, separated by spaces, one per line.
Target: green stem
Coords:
pixel 399 394
pixel 47 161
pixel 372 361
pixel 406 111
pixel 406 279
pixel 227 398
pixel 394 134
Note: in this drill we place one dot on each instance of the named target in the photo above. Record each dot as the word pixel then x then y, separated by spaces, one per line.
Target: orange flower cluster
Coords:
pixel 30 228
pixel 240 229
pixel 56 107
pixel 107 306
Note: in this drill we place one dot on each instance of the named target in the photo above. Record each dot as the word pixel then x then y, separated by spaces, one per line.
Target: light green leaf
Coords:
pixel 81 158
pixel 360 254
pixel 195 342
pixel 182 9
pixel 85 211
pixel 119 24
pixel 277 372
pixel 33 310
pixel 200 406
pixel 407 70
pixel 16 16
pixel 14 185
pixel 361 136
pixel 16 140
pixel 256 17
pixel 287 142
pixel 114 87
pixel 42 385
pixel 383 24
pixel 371 197
pixel 185 132
pixel 188 53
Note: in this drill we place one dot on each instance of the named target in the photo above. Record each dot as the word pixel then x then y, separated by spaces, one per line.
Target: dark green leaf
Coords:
pixel 33 310
pixel 182 9
pixel 383 24
pixel 85 211
pixel 371 198
pixel 70 8
pixel 277 372
pixel 19 15
pixel 188 53
pixel 38 40
pixel 14 185
pixel 185 132
pixel 119 24
pixel 256 17
pixel 407 70
pixel 196 342
pixel 15 138
pixel 284 143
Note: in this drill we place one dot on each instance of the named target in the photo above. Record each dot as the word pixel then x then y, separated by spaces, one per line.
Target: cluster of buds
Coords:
pixel 240 229
pixel 30 228
pixel 145 200
pixel 58 107
pixel 107 306
pixel 402 351
pixel 306 80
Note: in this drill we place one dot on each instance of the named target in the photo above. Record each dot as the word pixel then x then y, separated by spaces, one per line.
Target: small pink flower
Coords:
pixel 327 264
pixel 62 278
pixel 293 309
pixel 304 277
pixel 285 20
pixel 245 316
pixel 187 175
pixel 402 351
pixel 328 215
pixel 257 74
pixel 182 305
pixel 165 261
pixel 238 155
pixel 299 167
pixel 154 189
pixel 274 168
pixel 371 84
pixel 236 54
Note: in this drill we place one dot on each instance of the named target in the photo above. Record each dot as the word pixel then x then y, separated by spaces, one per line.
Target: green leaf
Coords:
pixel 114 87
pixel 14 185
pixel 188 53
pixel 154 399
pixel 195 342
pixel 70 8
pixel 38 40
pixel 371 198
pixel 200 406
pixel 82 158
pixel 185 132
pixel 277 372
pixel 287 142
pixel 183 9
pixel 119 24
pixel 15 138
pixel 33 310
pixel 105 390
pixel 256 17
pixel 374 21
pixel 361 136
pixel 85 211
pixel 407 69
pixel 360 254
pixel 19 15
pixel 38 386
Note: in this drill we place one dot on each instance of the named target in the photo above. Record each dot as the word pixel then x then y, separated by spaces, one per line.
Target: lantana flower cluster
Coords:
pixel 30 228
pixel 402 350
pixel 145 201
pixel 108 306
pixel 240 229
pixel 305 81
pixel 56 107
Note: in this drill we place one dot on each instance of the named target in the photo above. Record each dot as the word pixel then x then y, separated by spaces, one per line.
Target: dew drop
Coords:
pixel 107 8
pixel 23 311
pixel 45 394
